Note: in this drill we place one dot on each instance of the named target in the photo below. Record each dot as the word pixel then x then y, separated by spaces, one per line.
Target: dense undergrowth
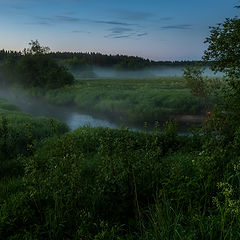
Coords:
pixel 18 130
pixel 98 183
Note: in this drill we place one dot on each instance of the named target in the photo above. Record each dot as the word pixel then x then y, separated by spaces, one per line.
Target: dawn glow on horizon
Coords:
pixel 157 30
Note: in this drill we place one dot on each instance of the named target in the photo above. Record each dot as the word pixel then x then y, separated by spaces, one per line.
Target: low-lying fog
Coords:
pixel 104 72
pixel 70 115
pixel 40 108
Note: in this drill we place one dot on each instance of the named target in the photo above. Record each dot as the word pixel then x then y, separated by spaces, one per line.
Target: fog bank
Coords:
pixel 153 72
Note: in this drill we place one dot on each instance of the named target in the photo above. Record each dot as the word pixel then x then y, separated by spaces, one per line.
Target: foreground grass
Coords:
pixel 18 130
pixel 88 184
pixel 100 183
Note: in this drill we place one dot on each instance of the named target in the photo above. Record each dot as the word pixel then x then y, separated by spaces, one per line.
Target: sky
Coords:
pixel 153 29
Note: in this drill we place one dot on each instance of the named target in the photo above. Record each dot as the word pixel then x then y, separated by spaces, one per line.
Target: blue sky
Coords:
pixel 154 29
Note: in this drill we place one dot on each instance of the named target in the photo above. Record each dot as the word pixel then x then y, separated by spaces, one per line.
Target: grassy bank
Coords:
pixel 98 183
pixel 128 101
pixel 18 130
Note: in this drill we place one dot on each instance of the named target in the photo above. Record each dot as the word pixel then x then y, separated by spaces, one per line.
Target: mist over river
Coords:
pixel 75 118
pixel 152 72
pixel 40 108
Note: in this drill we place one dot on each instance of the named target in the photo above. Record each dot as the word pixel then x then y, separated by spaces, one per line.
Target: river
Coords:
pixel 41 108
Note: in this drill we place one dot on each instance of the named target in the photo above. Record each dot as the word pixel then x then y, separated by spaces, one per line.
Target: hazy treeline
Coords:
pixel 102 60
pixel 4 54
pixel 116 61
pixel 97 65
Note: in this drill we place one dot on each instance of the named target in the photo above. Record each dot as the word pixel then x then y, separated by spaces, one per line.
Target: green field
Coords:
pixel 128 101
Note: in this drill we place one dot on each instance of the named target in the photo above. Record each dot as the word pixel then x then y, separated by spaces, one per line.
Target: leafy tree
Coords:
pixel 36 69
pixel 42 71
pixel 224 48
pixel 196 82
pixel 203 87
pixel 222 54
pixel 36 48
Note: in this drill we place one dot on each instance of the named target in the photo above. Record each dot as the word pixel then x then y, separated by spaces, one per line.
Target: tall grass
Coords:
pixel 131 101
pixel 100 183
pixel 18 130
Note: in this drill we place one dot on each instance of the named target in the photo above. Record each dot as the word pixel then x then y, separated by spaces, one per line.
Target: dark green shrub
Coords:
pixel 42 71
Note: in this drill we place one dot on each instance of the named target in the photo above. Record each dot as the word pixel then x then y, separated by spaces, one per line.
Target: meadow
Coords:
pixel 128 101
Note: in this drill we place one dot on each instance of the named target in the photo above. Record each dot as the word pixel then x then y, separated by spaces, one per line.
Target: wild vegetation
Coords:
pixel 18 130
pixel 129 101
pixel 98 183
pixel 34 68
pixel 125 101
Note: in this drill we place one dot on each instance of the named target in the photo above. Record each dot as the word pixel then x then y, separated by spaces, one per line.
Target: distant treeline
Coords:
pixel 117 61
pixel 9 54
pixel 102 60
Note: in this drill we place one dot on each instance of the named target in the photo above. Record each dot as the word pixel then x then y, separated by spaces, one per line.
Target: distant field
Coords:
pixel 133 101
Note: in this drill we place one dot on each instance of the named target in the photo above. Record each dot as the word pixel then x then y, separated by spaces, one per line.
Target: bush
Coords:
pixel 42 71
pixel 19 130
pixel 90 181
pixel 36 69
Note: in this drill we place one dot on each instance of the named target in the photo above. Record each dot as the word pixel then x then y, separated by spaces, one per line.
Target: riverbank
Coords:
pixel 38 105
pixel 102 183
pixel 128 102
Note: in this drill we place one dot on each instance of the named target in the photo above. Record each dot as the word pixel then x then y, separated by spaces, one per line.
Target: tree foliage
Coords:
pixel 36 48
pixel 196 82
pixel 224 53
pixel 42 71
pixel 36 69
pixel 224 47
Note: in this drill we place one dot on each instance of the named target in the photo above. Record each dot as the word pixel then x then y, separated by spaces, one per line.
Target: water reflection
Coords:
pixel 40 108
pixel 69 115
pixel 76 120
